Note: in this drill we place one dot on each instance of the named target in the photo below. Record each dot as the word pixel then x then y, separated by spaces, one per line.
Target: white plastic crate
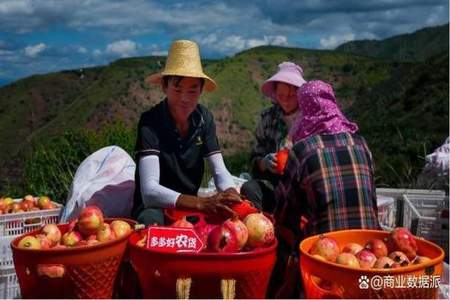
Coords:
pixel 386 212
pixel 9 284
pixel 425 216
pixel 20 223
pixel 6 259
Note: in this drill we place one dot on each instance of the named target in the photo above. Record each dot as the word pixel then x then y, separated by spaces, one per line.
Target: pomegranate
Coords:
pixel 223 239
pixel 71 238
pixel 282 158
pixel 182 223
pixel 90 220
pixel 260 230
pixel 244 208
pixel 383 262
pixel 120 228
pixel 44 202
pixel 45 242
pixel 395 265
pixel 366 259
pixel 377 247
pixel 352 248
pixel 347 259
pixel 239 229
pixel 59 246
pixel 52 232
pixel 401 239
pixel 421 260
pixel 105 234
pixel 203 231
pixel 319 257
pixel 29 242
pixel 325 247
pixel 400 258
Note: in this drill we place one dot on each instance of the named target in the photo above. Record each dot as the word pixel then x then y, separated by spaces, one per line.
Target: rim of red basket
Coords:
pixel 15 241
pixel 410 268
pixel 133 240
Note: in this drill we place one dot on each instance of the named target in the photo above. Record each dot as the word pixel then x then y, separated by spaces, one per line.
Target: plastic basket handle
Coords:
pixel 183 287
pixel 228 288
pixel 51 270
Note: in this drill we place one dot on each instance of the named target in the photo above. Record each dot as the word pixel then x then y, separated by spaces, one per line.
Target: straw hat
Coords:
pixel 183 60
pixel 289 73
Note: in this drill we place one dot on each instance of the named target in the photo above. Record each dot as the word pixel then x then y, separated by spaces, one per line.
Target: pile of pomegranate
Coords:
pixel 28 203
pixel 398 250
pixel 247 230
pixel 89 229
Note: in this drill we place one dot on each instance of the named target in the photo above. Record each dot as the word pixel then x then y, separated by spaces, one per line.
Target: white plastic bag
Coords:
pixel 105 179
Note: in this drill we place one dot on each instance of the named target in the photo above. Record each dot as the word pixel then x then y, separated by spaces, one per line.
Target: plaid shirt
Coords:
pixel 270 134
pixel 329 180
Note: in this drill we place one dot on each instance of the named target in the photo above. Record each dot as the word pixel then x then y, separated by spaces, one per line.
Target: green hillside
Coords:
pixel 50 123
pixel 417 46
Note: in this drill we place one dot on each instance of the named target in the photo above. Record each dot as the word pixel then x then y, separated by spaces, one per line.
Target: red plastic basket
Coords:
pixel 346 281
pixel 158 272
pixel 88 272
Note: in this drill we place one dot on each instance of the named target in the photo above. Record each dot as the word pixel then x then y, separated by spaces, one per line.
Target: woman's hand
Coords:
pixel 269 163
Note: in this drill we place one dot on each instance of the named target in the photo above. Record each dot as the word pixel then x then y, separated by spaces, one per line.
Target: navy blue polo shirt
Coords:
pixel 181 160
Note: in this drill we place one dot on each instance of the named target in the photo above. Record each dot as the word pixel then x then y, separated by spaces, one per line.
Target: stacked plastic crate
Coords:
pixel 11 226
pixel 427 216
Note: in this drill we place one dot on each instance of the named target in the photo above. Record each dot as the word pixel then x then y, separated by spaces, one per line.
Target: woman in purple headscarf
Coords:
pixel 328 183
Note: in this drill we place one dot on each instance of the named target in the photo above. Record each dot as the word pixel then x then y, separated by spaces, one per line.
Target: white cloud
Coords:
pixel 82 50
pixel 15 6
pixel 122 48
pixel 235 43
pixel 97 52
pixel 33 51
pixel 334 40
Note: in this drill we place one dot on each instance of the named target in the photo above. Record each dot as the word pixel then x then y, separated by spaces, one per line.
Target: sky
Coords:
pixel 42 36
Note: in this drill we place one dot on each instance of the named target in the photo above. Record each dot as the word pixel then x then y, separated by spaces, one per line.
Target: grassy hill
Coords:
pixel 50 123
pixel 417 46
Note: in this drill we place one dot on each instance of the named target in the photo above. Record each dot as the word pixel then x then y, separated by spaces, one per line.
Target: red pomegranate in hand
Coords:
pixel 239 230
pixel 90 220
pixel 223 239
pixel 282 157
pixel 377 247
pixel 401 239
pixel 260 230
pixel 325 247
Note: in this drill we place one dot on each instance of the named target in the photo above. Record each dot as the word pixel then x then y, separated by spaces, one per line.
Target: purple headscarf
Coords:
pixel 320 113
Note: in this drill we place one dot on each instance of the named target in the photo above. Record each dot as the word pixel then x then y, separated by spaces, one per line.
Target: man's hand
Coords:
pixel 269 162
pixel 219 203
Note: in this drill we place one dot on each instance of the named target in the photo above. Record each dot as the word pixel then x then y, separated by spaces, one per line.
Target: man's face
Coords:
pixel 183 94
pixel 287 97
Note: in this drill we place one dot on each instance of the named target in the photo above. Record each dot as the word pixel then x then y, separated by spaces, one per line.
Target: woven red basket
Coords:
pixel 87 272
pixel 158 272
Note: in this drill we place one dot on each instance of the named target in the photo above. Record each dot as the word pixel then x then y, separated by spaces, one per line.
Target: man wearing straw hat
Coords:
pixel 173 140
